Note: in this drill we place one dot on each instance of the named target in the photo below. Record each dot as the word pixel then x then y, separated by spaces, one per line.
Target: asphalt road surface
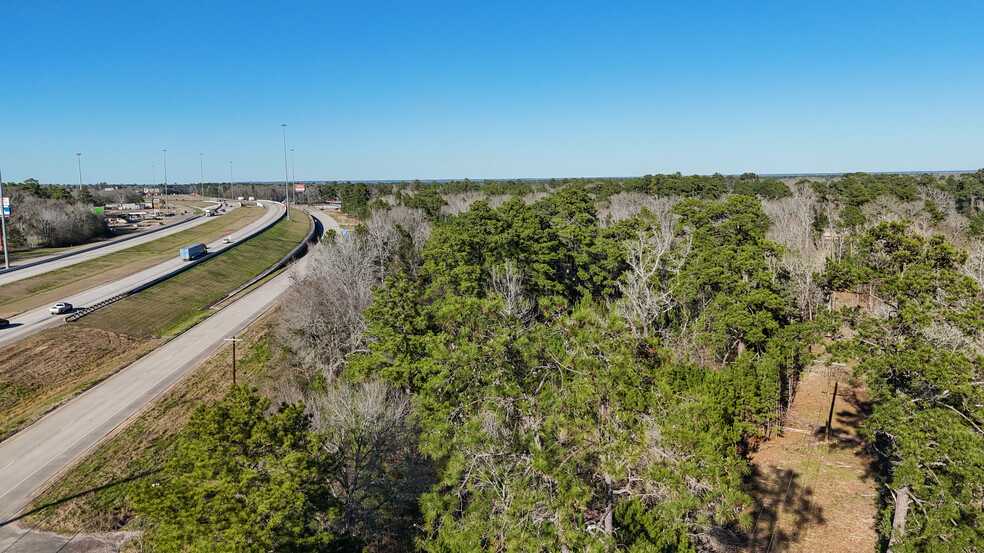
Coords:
pixel 36 320
pixel 326 220
pixel 35 455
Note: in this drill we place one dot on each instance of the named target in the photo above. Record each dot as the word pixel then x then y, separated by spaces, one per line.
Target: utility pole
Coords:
pixel 201 167
pixel 830 417
pixel 233 340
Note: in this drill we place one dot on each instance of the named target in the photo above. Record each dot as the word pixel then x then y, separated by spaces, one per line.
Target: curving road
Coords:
pixel 35 455
pixel 36 320
pixel 40 265
pixel 326 221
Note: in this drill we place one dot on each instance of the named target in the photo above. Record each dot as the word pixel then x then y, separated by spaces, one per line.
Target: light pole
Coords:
pixel 286 185
pixel 201 167
pixel 293 175
pixel 153 169
pixel 165 178
pixel 230 173
pixel 3 226
pixel 79 156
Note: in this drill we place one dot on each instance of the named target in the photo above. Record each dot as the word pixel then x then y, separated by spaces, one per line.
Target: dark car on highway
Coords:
pixel 4 322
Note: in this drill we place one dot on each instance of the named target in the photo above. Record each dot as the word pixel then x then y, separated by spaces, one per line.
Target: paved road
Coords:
pixel 36 320
pixel 32 457
pixel 325 219
pixel 40 265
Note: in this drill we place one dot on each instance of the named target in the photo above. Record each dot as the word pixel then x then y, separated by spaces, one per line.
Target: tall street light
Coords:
pixel 165 178
pixel 230 173
pixel 293 175
pixel 3 227
pixel 286 184
pixel 79 156
pixel 201 167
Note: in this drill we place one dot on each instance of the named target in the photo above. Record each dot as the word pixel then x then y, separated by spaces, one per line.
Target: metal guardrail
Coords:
pixel 97 246
pixel 83 312
pixel 293 254
pixel 79 314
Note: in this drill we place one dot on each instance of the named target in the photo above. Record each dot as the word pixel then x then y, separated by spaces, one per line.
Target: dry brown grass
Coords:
pixel 41 372
pixel 813 495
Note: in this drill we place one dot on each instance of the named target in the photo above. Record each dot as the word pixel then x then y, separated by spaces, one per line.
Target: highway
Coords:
pixel 37 266
pixel 35 455
pixel 36 320
pixel 326 221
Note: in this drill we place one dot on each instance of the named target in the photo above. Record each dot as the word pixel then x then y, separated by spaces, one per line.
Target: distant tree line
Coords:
pixel 51 216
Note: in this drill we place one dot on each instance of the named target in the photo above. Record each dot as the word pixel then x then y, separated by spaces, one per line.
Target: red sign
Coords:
pixel 298 187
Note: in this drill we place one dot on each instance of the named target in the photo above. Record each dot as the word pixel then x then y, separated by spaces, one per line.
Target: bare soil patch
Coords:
pixel 812 494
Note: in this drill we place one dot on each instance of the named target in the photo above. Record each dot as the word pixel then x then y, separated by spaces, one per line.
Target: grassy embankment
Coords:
pixel 31 293
pixel 47 369
pixel 92 497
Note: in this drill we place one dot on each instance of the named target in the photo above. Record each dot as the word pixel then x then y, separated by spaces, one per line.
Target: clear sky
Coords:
pixel 494 89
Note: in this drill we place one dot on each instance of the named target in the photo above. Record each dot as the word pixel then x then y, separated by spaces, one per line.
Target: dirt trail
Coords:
pixel 812 494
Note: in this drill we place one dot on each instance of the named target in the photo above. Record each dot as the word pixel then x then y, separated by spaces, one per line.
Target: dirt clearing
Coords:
pixel 812 494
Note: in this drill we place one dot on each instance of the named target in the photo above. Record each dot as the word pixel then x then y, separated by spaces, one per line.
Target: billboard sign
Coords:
pixel 6 207
pixel 298 187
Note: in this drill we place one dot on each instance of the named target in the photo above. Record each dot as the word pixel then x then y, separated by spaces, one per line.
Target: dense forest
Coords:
pixel 586 364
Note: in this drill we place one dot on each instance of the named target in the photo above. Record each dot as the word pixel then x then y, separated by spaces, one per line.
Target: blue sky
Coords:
pixel 403 90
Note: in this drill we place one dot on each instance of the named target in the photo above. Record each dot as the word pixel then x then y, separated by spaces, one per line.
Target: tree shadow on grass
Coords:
pixel 60 501
pixel 850 437
pixel 784 509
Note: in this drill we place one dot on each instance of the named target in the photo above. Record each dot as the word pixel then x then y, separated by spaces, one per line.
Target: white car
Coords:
pixel 59 308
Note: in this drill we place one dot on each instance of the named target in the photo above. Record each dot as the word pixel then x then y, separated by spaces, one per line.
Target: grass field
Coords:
pixel 23 255
pixel 43 371
pixel 23 295
pixel 91 497
pixel 176 304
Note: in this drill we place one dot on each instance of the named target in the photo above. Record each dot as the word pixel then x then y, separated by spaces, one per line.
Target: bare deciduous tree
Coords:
pixel 380 474
pixel 804 255
pixel 974 267
pixel 653 259
pixel 322 316
pixel 507 282
pixel 459 203
pixel 322 321
pixel 628 204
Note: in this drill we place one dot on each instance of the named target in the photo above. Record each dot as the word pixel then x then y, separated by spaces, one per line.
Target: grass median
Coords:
pixel 31 293
pixel 47 369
